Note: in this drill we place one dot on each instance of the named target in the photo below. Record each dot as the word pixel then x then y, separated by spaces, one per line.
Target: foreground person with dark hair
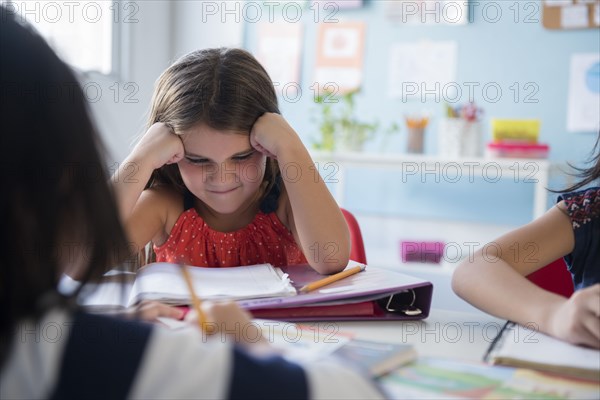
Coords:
pixel 51 202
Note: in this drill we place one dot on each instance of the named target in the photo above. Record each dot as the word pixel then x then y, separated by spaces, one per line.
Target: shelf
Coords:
pixel 534 171
pixel 396 160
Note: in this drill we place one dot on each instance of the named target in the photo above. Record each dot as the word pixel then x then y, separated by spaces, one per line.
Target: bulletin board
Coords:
pixel 571 14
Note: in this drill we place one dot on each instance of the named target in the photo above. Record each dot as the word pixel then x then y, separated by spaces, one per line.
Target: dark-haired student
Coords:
pixel 495 282
pixel 49 202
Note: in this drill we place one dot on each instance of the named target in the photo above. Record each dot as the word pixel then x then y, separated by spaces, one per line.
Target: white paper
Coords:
pixel 583 113
pixel 164 282
pixel 112 294
pixel 339 4
pixel 427 65
pixel 558 3
pixel 574 17
pixel 279 51
pixel 525 344
pixel 300 343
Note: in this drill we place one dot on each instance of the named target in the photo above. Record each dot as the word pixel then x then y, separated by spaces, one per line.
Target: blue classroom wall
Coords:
pixel 499 49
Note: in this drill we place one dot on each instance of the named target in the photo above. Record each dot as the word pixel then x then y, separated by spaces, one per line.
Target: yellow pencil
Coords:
pixel 196 303
pixel 333 278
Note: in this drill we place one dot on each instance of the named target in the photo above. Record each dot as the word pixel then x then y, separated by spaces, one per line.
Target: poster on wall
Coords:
pixel 416 70
pixel 339 63
pixel 583 112
pixel 570 14
pixel 279 51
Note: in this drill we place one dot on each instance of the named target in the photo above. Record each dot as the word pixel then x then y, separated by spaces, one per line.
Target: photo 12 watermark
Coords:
pixel 74 12
pixel 253 12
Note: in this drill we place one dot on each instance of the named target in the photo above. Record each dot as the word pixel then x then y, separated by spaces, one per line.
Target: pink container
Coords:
pixel 517 150
pixel 425 252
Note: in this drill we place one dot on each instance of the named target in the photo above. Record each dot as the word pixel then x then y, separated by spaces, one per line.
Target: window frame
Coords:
pixel 120 42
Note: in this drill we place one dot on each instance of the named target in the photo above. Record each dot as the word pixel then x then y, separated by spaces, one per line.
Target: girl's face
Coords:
pixel 221 168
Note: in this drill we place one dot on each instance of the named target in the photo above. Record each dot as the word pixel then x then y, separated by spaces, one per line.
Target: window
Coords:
pixel 83 33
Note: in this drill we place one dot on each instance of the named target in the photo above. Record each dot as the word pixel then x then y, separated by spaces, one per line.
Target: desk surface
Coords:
pixel 447 334
pixel 444 340
pixel 445 337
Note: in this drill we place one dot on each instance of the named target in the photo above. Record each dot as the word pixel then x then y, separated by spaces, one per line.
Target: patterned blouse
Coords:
pixel 583 207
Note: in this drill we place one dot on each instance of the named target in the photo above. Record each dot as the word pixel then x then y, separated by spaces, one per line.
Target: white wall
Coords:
pixel 206 24
pixel 163 31
pixel 145 52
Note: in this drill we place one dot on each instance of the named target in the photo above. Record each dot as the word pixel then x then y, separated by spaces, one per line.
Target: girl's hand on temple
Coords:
pixel 159 146
pixel 271 133
pixel 577 320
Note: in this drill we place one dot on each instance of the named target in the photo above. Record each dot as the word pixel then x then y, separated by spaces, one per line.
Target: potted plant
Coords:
pixel 339 127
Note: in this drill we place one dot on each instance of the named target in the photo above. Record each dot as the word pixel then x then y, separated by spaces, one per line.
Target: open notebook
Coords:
pixel 164 282
pixel 270 292
pixel 519 346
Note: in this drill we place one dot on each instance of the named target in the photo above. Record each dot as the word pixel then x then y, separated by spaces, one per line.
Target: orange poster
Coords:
pixel 340 56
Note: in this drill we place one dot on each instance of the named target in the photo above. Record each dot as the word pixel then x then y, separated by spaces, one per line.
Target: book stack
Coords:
pixel 516 138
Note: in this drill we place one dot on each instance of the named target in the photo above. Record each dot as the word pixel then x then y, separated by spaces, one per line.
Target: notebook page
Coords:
pixel 525 344
pixel 164 281
pixel 111 294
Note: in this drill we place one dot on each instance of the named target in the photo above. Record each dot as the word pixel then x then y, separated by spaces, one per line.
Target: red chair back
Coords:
pixel 357 246
pixel 554 277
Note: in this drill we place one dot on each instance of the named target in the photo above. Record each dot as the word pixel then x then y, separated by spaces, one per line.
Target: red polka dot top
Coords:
pixel 264 240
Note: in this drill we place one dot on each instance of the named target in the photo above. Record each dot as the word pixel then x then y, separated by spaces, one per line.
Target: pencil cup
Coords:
pixel 458 137
pixel 415 140
pixel 415 125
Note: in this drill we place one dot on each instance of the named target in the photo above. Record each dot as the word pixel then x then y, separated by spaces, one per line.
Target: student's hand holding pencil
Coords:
pixel 228 320
pixel 151 311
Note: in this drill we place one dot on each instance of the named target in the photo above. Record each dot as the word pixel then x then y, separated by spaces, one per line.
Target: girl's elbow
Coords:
pixel 457 281
pixel 331 257
pixel 460 278
pixel 329 268
pixel 331 264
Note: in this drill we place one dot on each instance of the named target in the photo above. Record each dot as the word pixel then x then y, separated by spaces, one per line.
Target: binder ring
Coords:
pixel 409 309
